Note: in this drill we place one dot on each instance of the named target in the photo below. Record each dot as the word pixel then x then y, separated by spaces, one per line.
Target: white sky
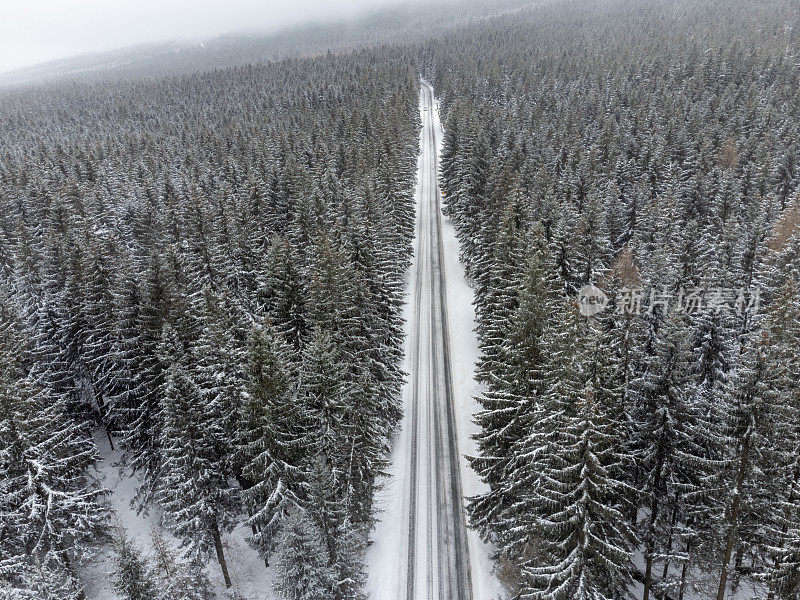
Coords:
pixel 34 31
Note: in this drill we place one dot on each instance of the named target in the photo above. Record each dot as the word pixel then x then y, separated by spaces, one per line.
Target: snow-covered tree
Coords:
pixel 584 546
pixel 514 387
pixel 271 437
pixel 193 487
pixel 131 577
pixel 302 563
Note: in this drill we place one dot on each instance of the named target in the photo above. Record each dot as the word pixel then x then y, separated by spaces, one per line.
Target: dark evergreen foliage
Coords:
pixel 650 146
pixel 209 268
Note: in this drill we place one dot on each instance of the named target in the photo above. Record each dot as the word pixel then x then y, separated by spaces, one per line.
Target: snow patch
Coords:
pixel 249 575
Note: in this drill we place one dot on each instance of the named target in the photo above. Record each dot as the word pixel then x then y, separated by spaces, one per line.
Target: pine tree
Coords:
pixel 750 419
pixel 302 565
pixel 326 504
pixel 323 391
pixel 138 403
pixel 126 382
pixel 38 582
pixel 271 438
pixel 98 346
pixel 131 576
pixel 514 385
pixel 217 361
pixel 342 304
pixel 193 487
pixel 499 297
pixel 782 330
pixel 591 243
pixel 53 513
pixel 365 445
pixel 669 457
pixel 165 563
pixel 585 545
pixel 784 174
pixel 188 583
pixel 784 575
pixel 471 196
pixel 282 292
pixel 349 570
pixel 177 579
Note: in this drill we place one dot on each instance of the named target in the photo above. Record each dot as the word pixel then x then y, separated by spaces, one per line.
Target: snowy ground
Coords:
pixel 416 527
pixel 247 570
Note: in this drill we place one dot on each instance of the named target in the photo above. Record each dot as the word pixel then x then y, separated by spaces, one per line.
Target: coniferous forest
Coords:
pixel 206 271
pixel 209 270
pixel 655 148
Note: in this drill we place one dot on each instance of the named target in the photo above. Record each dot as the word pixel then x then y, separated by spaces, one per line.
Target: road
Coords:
pixel 438 565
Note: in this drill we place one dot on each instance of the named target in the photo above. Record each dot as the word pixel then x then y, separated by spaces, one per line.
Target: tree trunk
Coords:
pixel 669 540
pixel 72 572
pixel 684 569
pixel 737 564
pixel 648 570
pixel 252 525
pixel 220 554
pixel 101 409
pixel 110 441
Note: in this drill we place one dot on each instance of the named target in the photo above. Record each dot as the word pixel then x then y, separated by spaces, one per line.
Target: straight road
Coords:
pixel 438 565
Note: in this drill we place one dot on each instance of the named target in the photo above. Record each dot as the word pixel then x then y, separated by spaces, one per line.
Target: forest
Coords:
pixel 207 269
pixel 651 149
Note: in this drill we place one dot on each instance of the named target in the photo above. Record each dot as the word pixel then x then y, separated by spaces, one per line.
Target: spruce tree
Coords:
pixel 585 545
pixel 514 387
pixel 38 582
pixel 53 512
pixel 282 292
pixel 131 577
pixel 499 297
pixel 669 457
pixel 193 488
pixel 302 564
pixel 271 437
pixel 217 361
pixel 323 390
pixel 176 578
pixel 326 503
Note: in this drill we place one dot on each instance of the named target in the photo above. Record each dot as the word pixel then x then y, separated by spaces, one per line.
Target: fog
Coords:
pixel 35 31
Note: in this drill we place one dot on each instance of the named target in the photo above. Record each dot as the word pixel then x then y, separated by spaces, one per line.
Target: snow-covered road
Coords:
pixel 437 554
pixel 422 545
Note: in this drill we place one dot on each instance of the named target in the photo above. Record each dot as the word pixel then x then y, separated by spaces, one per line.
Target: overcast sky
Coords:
pixel 34 31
